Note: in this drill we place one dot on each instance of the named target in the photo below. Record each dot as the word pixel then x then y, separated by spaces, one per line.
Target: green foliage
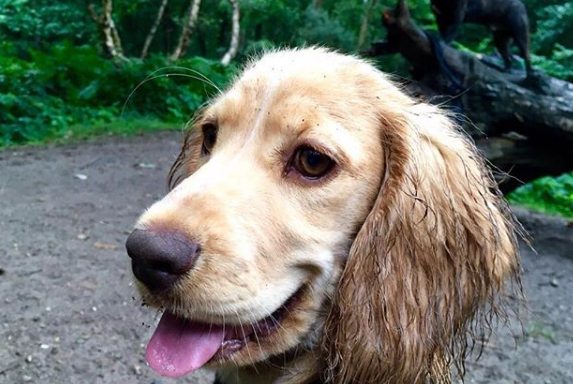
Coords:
pixel 552 195
pixel 558 64
pixel 554 25
pixel 42 97
pixel 116 127
pixel 552 41
pixel 53 74
pixel 41 22
pixel 319 28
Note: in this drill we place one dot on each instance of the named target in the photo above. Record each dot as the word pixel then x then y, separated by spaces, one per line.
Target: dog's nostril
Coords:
pixel 160 258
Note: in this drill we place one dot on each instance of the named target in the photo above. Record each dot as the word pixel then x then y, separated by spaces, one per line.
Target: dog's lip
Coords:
pixel 236 337
pixel 181 345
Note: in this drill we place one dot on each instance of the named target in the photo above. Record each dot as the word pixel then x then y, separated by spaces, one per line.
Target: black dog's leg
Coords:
pixel 502 40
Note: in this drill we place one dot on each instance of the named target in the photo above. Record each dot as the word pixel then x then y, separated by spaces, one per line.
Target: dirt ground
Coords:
pixel 68 309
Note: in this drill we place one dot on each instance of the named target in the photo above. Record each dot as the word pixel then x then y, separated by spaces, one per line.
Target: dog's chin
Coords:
pixel 181 345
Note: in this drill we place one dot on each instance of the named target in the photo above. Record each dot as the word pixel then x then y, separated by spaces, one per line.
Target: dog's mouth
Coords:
pixel 180 346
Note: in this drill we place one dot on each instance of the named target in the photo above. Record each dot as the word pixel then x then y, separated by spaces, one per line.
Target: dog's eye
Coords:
pixel 209 138
pixel 311 163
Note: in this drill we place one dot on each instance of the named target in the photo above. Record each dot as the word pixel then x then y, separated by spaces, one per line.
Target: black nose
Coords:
pixel 159 258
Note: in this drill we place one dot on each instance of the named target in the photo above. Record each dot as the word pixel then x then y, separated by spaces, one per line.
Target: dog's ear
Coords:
pixel 427 268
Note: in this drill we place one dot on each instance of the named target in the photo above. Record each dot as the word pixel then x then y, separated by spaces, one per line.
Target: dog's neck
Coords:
pixel 300 369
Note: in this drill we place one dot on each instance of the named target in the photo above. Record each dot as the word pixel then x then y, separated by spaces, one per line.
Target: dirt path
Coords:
pixel 67 307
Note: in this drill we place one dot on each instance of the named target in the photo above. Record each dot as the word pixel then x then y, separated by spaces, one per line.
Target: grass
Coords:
pixel 551 195
pixel 116 127
pixel 538 330
pixel 119 127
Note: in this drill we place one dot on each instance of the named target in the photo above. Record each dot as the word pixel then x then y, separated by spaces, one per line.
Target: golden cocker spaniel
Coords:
pixel 323 226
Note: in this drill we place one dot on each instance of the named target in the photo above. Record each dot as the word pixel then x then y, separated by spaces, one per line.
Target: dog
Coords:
pixel 506 18
pixel 323 227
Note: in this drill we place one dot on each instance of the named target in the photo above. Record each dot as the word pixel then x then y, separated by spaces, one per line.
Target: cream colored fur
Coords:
pixel 399 250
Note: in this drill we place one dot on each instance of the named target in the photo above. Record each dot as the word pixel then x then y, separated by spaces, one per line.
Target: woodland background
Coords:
pixel 73 69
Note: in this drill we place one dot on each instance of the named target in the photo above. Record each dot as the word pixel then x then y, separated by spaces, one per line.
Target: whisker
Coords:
pixel 247 344
pixel 255 332
pixel 270 314
pixel 152 76
pixel 205 78
pixel 223 325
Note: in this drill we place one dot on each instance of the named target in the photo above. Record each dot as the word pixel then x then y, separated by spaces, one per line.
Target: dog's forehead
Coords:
pixel 291 90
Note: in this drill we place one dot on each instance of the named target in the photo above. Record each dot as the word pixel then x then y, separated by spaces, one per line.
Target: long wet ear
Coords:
pixel 428 267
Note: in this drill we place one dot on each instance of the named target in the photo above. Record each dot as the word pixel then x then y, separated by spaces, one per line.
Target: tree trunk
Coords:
pixel 110 36
pixel 153 29
pixel 524 125
pixel 233 47
pixel 187 29
pixel 365 21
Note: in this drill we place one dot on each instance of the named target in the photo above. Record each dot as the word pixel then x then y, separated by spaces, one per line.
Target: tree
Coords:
pixel 524 125
pixel 153 29
pixel 187 30
pixel 233 47
pixel 365 20
pixel 108 30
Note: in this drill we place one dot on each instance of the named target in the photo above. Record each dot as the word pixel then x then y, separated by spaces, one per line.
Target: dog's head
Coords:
pixel 316 207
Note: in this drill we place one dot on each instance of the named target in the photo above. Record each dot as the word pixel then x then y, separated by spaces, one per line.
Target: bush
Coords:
pixel 320 28
pixel 42 95
pixel 548 194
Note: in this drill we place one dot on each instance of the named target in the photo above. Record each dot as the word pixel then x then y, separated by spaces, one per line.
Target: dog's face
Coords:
pixel 279 175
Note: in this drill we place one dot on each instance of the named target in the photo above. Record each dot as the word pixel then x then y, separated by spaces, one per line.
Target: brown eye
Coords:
pixel 209 138
pixel 311 163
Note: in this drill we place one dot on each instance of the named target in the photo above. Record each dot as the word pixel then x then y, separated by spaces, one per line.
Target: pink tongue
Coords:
pixel 178 347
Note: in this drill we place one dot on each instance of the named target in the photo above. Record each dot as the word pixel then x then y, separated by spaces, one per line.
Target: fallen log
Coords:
pixel 524 125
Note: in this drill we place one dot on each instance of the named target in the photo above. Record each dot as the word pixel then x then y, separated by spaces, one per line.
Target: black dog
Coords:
pixel 506 18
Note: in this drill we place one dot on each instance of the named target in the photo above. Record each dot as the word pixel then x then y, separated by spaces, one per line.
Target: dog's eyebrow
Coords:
pixel 341 146
pixel 332 150
pixel 207 118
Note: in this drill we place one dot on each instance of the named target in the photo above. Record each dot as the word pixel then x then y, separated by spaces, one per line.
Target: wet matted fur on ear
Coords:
pixel 426 274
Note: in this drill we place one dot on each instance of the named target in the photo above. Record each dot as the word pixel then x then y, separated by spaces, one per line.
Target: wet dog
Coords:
pixel 322 227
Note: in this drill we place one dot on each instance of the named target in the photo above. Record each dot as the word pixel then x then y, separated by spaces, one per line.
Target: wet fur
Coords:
pixel 424 271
